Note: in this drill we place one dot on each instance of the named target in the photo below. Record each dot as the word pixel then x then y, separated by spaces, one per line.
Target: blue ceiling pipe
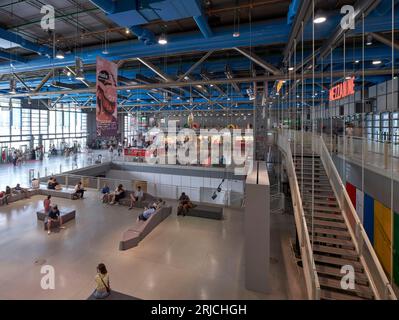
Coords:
pixel 203 25
pixel 26 44
pixel 275 31
pixel 125 14
pixel 292 11
pixel 12 57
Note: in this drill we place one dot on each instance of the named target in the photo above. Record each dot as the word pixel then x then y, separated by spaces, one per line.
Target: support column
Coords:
pixel 257 229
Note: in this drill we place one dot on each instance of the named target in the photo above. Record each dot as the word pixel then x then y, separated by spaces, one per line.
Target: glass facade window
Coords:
pixel 18 125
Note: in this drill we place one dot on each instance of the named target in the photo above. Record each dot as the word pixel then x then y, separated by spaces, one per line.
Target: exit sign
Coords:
pixel 343 90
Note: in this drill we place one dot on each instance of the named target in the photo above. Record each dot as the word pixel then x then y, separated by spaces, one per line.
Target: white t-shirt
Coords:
pixel 138 194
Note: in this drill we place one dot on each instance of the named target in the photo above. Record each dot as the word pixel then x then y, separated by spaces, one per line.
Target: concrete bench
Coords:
pixel 203 211
pixel 141 229
pixel 66 215
pixel 147 200
pixel 65 194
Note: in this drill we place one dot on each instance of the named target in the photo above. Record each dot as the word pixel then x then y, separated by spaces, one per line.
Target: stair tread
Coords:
pixel 337 261
pixel 359 276
pixel 333 232
pixel 331 216
pixel 332 295
pixel 335 241
pixel 363 291
pixel 334 250
pixel 322 208
pixel 328 223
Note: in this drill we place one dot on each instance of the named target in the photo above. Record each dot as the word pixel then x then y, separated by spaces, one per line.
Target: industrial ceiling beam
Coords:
pixel 196 65
pixel 74 74
pixel 362 8
pixel 178 84
pixel 229 74
pixel 155 69
pixel 259 61
pixel 43 82
pixel 385 40
pixel 303 15
pixel 28 88
pixel 206 76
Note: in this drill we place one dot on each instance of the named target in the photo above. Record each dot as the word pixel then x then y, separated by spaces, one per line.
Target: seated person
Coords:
pixel 184 204
pixel 8 191
pixel 118 194
pixel 47 204
pixel 146 214
pixel 51 183
pixel 54 215
pixel 79 191
pixel 35 183
pixel 4 197
pixel 18 188
pixel 105 192
pixel 158 204
pixel 136 196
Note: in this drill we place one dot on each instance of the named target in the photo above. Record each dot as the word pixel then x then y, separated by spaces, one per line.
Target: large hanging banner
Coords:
pixel 107 97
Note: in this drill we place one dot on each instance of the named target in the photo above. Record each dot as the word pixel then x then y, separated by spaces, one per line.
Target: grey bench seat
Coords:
pixel 66 215
pixel 204 211
pixel 141 229
pixel 66 193
pixel 146 201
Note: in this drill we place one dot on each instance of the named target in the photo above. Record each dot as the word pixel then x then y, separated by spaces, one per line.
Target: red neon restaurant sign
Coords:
pixel 343 89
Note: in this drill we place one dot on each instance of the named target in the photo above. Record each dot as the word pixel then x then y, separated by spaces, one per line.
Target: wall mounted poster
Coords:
pixel 107 97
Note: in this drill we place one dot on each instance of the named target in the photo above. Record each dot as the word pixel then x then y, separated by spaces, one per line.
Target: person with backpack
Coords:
pixel 103 288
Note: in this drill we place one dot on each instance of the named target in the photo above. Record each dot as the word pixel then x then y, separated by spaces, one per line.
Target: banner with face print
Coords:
pixel 107 97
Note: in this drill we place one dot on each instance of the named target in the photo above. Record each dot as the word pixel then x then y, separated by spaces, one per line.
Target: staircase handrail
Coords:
pixel 309 266
pixel 380 283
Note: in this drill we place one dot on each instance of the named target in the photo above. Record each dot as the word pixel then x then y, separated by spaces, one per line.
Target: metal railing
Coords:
pixel 309 266
pixel 379 281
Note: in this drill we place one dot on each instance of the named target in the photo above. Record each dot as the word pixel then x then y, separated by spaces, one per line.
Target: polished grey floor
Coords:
pixel 183 258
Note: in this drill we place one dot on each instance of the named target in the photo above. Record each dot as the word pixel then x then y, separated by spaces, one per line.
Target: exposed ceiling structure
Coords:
pixel 219 53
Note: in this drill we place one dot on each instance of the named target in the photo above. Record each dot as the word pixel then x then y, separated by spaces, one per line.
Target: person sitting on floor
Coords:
pixel 105 192
pixel 47 204
pixel 103 288
pixel 146 214
pixel 54 215
pixel 118 194
pixel 184 204
pixel 136 196
pixel 79 191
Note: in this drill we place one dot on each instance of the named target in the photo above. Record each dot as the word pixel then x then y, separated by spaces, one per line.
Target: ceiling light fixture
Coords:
pixel 369 41
pixel 162 39
pixel 291 69
pixel 319 17
pixel 60 54
pixel 376 62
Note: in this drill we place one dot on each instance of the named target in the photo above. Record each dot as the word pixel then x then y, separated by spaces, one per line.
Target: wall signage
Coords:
pixel 343 90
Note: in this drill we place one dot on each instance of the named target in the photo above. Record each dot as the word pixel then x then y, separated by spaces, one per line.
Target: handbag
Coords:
pixel 106 287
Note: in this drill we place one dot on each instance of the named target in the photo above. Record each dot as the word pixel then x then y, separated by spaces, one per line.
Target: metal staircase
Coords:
pixel 330 234
pixel 331 241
